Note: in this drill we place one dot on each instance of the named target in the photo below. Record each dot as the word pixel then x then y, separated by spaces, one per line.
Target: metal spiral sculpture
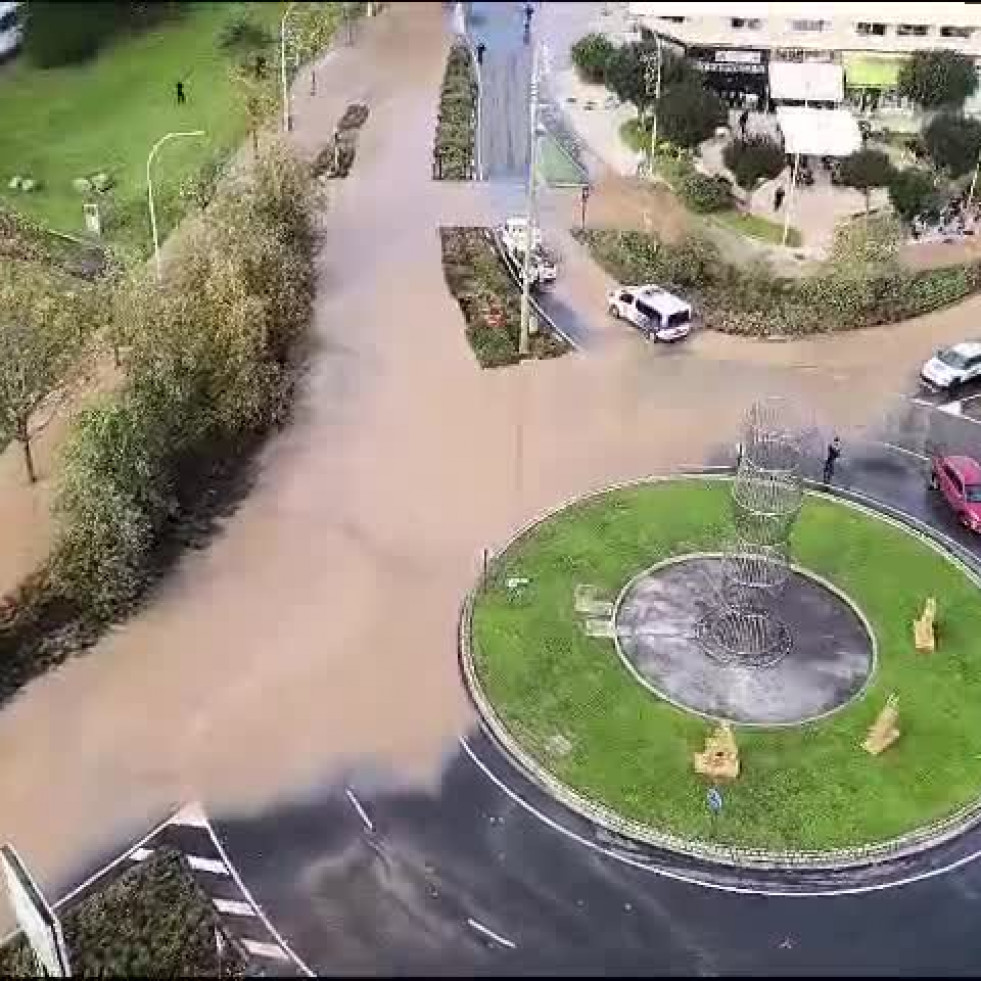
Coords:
pixel 743 625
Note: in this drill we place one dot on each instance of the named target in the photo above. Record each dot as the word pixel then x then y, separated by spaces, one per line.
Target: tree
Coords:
pixel 937 79
pixel 953 143
pixel 244 40
pixel 864 170
pixel 591 55
pixel 626 76
pixel 689 113
pixel 258 96
pixel 40 327
pixel 911 191
pixel 754 158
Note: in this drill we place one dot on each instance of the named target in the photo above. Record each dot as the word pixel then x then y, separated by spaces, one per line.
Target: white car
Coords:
pixel 514 237
pixel 10 29
pixel 654 311
pixel 953 366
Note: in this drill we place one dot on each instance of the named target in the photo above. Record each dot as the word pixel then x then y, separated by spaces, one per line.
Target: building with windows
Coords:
pixel 813 52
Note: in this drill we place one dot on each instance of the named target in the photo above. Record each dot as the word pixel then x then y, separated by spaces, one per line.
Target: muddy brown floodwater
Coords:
pixel 318 630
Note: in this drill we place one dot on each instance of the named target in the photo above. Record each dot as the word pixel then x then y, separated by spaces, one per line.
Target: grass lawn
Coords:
pixel 556 167
pixel 810 787
pixel 106 114
pixel 757 227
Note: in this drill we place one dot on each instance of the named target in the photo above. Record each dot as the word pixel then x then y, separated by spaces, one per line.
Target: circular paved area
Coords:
pixel 829 663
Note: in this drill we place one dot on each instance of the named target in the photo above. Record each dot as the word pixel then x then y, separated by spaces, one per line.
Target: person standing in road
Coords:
pixel 834 451
pixel 481 48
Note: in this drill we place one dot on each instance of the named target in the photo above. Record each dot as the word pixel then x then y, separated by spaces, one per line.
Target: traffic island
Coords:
pixel 540 654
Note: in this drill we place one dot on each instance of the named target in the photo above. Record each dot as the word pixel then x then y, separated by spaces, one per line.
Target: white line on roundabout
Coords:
pixel 362 813
pixel 488 932
pixel 694 880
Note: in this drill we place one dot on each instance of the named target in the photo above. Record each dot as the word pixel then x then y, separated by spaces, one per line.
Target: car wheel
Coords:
pixel 614 311
pixel 965 521
pixel 934 480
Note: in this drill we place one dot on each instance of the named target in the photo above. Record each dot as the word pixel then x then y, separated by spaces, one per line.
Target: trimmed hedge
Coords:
pixel 705 194
pixel 456 122
pixel 753 300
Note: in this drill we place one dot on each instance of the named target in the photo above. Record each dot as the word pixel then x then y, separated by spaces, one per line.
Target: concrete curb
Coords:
pixel 919 840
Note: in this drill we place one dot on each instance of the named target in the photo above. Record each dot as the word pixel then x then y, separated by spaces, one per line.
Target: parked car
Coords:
pixel 958 479
pixel 953 366
pixel 652 310
pixel 11 31
pixel 513 235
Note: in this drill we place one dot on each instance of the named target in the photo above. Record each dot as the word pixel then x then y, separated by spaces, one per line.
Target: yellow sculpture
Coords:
pixel 924 632
pixel 720 760
pixel 884 731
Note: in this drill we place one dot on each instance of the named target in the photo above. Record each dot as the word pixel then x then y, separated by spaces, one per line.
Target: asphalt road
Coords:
pixel 485 847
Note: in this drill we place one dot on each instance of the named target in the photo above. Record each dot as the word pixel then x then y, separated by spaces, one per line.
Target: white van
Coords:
pixel 654 311
pixel 10 29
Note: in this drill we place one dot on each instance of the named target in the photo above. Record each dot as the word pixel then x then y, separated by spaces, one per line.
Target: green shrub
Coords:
pixel 453 148
pixel 911 192
pixel 754 158
pixel 241 36
pixel 953 142
pixel 705 194
pixel 591 54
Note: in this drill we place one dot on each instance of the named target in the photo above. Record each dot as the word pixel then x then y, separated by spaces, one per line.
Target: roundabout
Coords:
pixel 591 727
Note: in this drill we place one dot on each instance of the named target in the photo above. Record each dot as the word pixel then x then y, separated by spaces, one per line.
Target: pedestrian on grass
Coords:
pixel 481 48
pixel 834 451
pixel 778 195
pixel 179 91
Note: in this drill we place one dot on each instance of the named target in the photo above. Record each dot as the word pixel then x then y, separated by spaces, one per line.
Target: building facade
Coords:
pixel 824 53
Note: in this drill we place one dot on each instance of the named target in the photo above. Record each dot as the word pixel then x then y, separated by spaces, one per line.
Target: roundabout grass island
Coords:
pixel 571 710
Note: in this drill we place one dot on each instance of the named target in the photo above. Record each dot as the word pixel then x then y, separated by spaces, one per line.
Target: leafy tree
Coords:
pixel 591 54
pixel 689 113
pixel 40 328
pixel 864 170
pixel 626 76
pixel 243 39
pixel 753 158
pixel 953 142
pixel 312 26
pixel 258 96
pixel 911 191
pixel 935 79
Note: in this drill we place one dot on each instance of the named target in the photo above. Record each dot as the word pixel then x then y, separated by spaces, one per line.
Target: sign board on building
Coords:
pixel 34 916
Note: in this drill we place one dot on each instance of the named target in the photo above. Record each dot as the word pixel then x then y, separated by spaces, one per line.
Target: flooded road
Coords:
pixel 318 630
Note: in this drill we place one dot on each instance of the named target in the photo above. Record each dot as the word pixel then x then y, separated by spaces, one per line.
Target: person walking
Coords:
pixel 778 195
pixel 743 122
pixel 481 48
pixel 834 452
pixel 179 92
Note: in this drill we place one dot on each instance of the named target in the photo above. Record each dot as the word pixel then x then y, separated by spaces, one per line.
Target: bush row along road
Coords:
pixel 312 647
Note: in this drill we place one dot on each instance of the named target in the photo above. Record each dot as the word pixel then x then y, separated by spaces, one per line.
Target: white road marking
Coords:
pixel 691 880
pixel 902 449
pixel 261 949
pixel 356 804
pixel 488 932
pixel 970 398
pixel 191 815
pixel 234 907
pixel 207 865
pixel 243 889
pixel 140 854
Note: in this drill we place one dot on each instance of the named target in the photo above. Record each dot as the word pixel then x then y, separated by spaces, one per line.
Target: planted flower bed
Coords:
pixel 456 123
pixel 490 299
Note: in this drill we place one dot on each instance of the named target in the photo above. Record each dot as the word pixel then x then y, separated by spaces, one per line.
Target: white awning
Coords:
pixel 818 132
pixel 806 81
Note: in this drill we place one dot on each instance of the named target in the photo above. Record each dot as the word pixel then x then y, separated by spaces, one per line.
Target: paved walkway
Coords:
pixel 317 630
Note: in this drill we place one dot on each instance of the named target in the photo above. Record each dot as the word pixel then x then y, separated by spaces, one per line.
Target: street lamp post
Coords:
pixel 149 191
pixel 974 182
pixel 287 120
pixel 524 342
pixel 657 87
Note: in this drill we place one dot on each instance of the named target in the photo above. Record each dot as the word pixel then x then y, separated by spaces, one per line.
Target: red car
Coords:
pixel 958 478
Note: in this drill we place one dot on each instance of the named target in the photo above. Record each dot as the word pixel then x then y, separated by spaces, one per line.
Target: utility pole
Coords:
pixel 524 343
pixel 652 80
pixel 287 118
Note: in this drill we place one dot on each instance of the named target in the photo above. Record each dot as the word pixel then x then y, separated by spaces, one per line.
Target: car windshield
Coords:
pixel 679 319
pixel 951 358
pixel 972 493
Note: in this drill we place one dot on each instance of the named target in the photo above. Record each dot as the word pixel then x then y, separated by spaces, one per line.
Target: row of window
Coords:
pixel 865 28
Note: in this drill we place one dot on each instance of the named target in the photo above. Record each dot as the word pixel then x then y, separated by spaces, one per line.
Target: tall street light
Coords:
pixel 149 191
pixel 524 342
pixel 656 60
pixel 287 121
